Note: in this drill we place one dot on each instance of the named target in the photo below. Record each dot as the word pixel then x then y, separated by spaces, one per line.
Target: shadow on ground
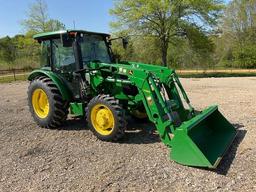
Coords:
pixel 145 133
pixel 228 158
pixel 74 124
pixel 136 133
pixel 140 133
pixel 230 154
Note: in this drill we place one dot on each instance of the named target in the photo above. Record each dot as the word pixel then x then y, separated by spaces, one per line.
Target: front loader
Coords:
pixel 79 76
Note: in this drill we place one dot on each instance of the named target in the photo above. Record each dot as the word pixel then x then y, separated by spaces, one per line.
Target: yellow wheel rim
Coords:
pixel 40 103
pixel 102 119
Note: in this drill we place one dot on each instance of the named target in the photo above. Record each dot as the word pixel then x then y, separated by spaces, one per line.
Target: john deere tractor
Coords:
pixel 80 76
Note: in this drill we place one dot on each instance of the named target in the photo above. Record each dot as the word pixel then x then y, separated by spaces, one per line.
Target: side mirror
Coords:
pixel 125 42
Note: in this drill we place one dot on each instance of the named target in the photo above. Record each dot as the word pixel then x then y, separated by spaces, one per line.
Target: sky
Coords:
pixel 91 15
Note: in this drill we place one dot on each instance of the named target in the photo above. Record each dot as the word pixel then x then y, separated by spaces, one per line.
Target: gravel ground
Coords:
pixel 72 159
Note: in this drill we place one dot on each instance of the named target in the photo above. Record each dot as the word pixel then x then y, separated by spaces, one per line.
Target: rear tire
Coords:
pixel 45 102
pixel 106 118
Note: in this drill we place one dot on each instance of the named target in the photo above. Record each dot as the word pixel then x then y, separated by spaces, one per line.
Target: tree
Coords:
pixel 237 43
pixel 54 25
pixel 192 52
pixel 38 19
pixel 8 50
pixel 163 19
pixel 28 51
pixel 239 18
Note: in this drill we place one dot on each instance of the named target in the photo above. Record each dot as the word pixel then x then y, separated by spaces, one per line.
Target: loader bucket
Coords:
pixel 202 140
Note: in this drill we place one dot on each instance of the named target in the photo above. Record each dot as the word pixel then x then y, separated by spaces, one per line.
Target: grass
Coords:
pixel 216 74
pixel 10 79
pixel 21 63
pixel 23 77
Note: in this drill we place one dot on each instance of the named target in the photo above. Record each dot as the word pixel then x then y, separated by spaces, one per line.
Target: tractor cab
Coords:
pixel 70 51
pixel 67 53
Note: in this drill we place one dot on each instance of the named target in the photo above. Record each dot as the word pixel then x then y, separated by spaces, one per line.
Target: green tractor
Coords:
pixel 79 76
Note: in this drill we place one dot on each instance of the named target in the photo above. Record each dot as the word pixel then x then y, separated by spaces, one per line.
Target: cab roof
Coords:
pixel 56 34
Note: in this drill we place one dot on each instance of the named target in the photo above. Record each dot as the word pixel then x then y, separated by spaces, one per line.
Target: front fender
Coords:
pixel 61 85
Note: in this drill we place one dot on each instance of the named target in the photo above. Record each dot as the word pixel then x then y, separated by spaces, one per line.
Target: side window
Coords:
pixel 45 54
pixel 63 57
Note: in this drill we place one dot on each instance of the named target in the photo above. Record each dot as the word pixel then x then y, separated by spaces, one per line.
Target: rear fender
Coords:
pixel 61 85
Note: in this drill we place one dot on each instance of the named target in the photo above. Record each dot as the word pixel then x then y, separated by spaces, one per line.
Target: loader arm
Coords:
pixel 106 91
pixel 196 140
pixel 199 140
pixel 156 108
pixel 149 83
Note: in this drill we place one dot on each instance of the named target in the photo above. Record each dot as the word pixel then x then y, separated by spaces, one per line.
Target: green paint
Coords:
pixel 77 109
pixel 203 139
pixel 199 140
pixel 65 92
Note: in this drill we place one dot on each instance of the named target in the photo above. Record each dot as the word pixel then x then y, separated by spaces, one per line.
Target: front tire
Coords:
pixel 45 102
pixel 106 118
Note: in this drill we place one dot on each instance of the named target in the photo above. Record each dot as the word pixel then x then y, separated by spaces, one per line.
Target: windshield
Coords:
pixel 94 48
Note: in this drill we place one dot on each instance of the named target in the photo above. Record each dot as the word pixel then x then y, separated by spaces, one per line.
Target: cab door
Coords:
pixel 64 64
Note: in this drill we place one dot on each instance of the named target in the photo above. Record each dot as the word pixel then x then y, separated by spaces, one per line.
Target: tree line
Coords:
pixel 176 33
pixel 21 51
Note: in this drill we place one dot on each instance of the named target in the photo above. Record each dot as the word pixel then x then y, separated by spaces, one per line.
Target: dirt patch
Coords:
pixel 72 159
